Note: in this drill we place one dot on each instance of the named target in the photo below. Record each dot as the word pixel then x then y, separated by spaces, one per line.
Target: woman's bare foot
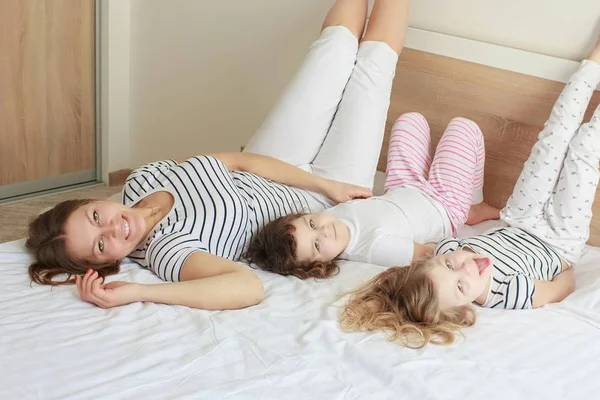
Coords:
pixel 482 212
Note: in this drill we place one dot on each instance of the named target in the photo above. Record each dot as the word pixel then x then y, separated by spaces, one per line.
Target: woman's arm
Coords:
pixel 273 169
pixel 285 173
pixel 207 281
pixel 554 291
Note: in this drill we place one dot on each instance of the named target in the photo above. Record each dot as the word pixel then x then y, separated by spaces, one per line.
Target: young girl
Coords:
pixel 423 202
pixel 190 221
pixel 526 264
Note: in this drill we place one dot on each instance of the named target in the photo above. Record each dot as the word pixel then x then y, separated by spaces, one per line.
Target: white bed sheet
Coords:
pixel 53 346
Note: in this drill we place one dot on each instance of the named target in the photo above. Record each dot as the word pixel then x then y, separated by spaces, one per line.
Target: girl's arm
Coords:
pixel 554 291
pixel 423 250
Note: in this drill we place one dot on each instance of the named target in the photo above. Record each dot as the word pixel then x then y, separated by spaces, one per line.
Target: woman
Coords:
pixel 190 221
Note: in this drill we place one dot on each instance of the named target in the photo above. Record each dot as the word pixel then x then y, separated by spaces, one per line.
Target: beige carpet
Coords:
pixel 15 216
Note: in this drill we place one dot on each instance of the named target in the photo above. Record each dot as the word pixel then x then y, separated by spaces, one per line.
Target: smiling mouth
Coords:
pixel 126 228
pixel 334 231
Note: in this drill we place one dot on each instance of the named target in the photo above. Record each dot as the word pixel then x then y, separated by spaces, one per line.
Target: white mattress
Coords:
pixel 53 346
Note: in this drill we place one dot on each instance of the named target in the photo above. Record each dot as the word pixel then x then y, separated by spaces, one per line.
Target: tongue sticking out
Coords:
pixel 483 263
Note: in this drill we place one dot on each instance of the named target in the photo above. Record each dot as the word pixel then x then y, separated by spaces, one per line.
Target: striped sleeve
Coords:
pixel 167 254
pixel 143 180
pixel 515 292
pixel 446 246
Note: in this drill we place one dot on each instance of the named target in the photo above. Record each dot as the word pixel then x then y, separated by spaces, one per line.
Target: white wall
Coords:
pixel 204 73
pixel 114 85
pixel 560 28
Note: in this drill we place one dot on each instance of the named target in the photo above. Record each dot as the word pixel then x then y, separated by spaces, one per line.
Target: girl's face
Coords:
pixel 104 231
pixel 460 278
pixel 320 237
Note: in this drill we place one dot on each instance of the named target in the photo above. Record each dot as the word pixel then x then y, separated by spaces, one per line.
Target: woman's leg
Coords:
pixel 538 180
pixel 297 125
pixel 456 175
pixel 351 149
pixel 409 158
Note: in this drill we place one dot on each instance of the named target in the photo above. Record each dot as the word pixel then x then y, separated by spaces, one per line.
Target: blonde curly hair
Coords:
pixel 402 302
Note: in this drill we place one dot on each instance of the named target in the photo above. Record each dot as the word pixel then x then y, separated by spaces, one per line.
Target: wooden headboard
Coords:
pixel 509 107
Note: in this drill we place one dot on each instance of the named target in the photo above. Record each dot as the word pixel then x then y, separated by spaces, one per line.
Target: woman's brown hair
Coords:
pixel 46 242
pixel 273 249
pixel 402 302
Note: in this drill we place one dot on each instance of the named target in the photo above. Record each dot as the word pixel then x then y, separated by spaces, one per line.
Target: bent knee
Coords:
pixel 465 126
pixel 412 117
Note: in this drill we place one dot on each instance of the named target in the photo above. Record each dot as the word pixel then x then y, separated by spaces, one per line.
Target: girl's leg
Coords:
pixel 525 207
pixel 297 125
pixel 409 159
pixel 569 210
pixel 565 224
pixel 352 146
pixel 456 175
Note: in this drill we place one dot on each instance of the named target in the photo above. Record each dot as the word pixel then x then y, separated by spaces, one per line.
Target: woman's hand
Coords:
pixel 341 192
pixel 113 294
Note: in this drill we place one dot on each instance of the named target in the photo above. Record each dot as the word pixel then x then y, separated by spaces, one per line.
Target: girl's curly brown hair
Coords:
pixel 273 249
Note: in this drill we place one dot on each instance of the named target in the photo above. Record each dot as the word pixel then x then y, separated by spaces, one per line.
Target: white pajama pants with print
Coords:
pixel 553 197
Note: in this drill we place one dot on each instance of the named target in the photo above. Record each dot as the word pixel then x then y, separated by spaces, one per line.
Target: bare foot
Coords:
pixel 482 212
pixel 595 54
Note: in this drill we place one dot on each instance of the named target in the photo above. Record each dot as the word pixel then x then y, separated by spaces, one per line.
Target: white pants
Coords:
pixel 331 118
pixel 554 195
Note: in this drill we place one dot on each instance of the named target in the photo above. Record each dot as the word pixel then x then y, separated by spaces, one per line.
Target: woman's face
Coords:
pixel 104 232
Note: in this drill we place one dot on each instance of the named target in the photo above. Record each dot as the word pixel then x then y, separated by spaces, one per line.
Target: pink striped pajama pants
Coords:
pixel 454 178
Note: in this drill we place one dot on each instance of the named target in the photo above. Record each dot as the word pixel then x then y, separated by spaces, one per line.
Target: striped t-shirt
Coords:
pixel 214 210
pixel 518 258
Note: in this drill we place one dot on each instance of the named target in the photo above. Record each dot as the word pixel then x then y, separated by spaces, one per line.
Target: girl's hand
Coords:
pixel 342 192
pixel 113 294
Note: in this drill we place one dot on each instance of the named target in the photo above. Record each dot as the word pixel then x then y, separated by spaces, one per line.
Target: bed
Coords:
pixel 53 346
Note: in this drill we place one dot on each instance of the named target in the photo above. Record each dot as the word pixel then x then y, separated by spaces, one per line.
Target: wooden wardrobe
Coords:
pixel 47 95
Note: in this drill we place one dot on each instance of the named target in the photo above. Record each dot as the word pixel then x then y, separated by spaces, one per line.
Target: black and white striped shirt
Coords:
pixel 214 211
pixel 518 258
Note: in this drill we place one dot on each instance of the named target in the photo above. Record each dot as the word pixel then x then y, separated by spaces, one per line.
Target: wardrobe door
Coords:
pixel 47 95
